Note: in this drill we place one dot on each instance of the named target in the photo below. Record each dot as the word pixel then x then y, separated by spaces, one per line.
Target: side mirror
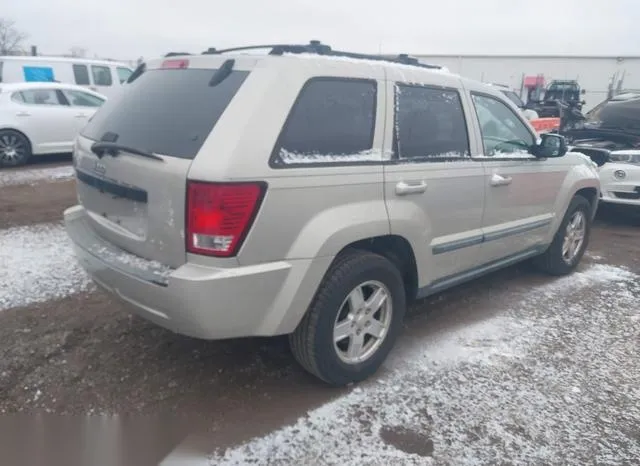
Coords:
pixel 583 91
pixel 550 145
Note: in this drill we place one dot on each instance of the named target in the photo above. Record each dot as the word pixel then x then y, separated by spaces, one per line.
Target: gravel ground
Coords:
pixel 550 379
pixel 515 368
pixel 35 175
pixel 37 202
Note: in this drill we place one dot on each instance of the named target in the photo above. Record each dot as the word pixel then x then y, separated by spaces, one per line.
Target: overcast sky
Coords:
pixel 127 29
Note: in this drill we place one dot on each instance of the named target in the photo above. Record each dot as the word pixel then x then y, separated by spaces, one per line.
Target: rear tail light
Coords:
pixel 219 216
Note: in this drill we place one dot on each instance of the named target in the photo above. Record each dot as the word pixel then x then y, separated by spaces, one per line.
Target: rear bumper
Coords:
pixel 201 302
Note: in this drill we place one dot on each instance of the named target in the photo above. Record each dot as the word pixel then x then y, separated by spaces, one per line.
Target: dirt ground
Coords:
pixel 86 354
pixel 41 202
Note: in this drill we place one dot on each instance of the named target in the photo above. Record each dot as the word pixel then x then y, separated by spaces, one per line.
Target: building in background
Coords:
pixel 597 75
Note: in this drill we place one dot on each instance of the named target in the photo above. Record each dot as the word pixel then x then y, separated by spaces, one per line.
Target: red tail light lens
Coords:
pixel 219 216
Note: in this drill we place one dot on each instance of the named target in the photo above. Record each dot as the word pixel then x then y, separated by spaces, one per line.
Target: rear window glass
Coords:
pixel 332 120
pixel 168 112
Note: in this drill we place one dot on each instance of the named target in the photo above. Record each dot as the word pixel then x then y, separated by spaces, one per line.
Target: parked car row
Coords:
pixel 610 135
pixel 42 118
pixel 38 117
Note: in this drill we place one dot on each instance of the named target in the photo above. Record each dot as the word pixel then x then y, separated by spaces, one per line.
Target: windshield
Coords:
pixel 167 112
pixel 562 91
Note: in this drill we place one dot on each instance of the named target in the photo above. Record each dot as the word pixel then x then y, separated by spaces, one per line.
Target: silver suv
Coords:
pixel 315 193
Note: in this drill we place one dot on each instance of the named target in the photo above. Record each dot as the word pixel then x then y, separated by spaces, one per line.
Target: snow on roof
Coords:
pixel 364 61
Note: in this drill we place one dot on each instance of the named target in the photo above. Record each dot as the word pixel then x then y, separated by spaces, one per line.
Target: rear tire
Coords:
pixel 333 341
pixel 15 148
pixel 570 242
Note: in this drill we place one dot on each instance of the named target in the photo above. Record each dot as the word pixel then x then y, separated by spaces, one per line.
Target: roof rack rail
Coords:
pixel 316 47
pixel 277 49
pixel 176 54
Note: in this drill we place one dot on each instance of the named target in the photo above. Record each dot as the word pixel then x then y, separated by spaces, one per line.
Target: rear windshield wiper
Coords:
pixel 102 148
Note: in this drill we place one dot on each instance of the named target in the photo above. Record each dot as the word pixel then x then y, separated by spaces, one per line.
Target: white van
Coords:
pixel 105 77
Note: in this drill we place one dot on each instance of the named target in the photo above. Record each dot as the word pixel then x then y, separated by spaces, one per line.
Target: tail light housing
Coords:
pixel 219 216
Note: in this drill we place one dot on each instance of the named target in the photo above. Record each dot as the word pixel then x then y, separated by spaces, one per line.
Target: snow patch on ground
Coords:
pixel 550 380
pixel 595 275
pixel 35 175
pixel 37 264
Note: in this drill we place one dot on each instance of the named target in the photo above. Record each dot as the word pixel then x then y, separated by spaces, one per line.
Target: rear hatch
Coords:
pixel 133 157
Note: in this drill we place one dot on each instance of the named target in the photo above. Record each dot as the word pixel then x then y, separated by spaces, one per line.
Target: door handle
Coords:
pixel 81 115
pixel 499 180
pixel 23 114
pixel 403 188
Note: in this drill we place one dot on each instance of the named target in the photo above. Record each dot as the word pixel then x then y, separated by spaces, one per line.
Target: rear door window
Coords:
pixel 167 112
pixel 47 97
pixel 81 75
pixel 430 124
pixel 101 75
pixel 332 120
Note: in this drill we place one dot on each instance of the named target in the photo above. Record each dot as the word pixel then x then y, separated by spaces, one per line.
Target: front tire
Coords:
pixel 353 321
pixel 570 242
pixel 15 148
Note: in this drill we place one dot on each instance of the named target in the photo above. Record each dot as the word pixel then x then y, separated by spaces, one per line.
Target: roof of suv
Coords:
pixel 314 51
pixel 403 67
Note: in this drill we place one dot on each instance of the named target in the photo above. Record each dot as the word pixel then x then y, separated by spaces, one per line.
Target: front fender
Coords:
pixel 582 175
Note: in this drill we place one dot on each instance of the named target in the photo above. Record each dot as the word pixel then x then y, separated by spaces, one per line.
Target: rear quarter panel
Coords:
pixel 309 211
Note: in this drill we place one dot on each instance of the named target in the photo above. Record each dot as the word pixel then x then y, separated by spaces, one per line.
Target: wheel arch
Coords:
pixel 590 194
pixel 396 249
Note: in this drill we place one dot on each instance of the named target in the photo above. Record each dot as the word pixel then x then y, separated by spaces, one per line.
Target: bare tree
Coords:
pixel 11 39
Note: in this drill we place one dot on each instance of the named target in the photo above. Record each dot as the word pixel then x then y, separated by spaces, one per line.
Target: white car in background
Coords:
pixel 610 136
pixel 620 178
pixel 42 118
